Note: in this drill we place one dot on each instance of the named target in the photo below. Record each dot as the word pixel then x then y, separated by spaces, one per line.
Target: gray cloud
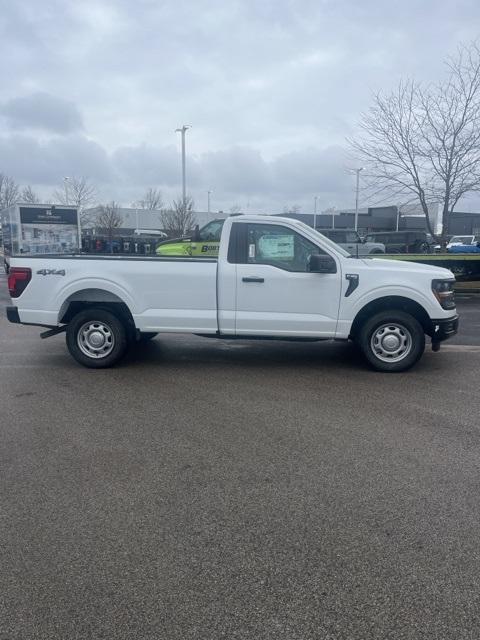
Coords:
pixel 46 162
pixel 238 170
pixel 270 88
pixel 235 175
pixel 43 111
pixel 146 165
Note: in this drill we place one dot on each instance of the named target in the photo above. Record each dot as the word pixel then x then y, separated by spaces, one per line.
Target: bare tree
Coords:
pixel 28 195
pixel 151 200
pixel 180 218
pixel 9 191
pixel 78 192
pixel 295 208
pixel 108 218
pixel 236 208
pixel 422 144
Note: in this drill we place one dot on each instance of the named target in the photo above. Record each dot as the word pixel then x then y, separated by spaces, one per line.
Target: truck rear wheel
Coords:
pixel 96 338
pixel 392 341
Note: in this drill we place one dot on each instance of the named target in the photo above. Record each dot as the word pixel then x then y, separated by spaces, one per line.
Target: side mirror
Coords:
pixel 196 234
pixel 321 263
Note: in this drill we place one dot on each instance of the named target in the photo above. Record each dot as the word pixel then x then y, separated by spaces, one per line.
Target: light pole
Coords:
pixel 357 171
pixel 65 182
pixel 184 184
pixel 208 203
pixel 315 198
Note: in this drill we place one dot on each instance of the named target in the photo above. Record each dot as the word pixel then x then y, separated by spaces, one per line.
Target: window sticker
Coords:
pixel 277 246
pixel 251 251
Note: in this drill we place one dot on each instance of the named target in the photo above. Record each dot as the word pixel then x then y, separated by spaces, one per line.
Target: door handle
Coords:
pixel 252 279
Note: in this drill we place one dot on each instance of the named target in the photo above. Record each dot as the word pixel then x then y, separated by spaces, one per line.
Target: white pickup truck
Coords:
pixel 273 278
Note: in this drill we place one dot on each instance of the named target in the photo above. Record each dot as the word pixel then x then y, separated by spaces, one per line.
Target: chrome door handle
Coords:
pixel 252 279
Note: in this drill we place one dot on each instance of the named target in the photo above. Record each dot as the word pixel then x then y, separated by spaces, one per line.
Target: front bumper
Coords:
pixel 12 315
pixel 443 329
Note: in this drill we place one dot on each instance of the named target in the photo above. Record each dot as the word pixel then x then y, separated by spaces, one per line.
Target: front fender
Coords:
pixel 427 302
pixel 350 307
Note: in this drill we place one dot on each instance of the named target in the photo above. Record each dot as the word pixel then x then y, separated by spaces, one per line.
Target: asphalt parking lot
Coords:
pixel 207 490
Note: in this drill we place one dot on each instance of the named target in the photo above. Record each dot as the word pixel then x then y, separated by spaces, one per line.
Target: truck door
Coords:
pixel 275 292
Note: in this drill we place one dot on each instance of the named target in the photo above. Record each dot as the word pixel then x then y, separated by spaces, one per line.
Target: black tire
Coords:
pixel 424 248
pixel 146 336
pixel 392 341
pixel 376 252
pixel 104 326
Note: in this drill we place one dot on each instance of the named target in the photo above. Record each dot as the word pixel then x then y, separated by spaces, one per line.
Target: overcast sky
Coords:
pixel 271 88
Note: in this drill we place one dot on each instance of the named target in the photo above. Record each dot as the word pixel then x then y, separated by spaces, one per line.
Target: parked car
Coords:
pixel 465 248
pixel 273 278
pixel 458 241
pixel 402 241
pixel 349 240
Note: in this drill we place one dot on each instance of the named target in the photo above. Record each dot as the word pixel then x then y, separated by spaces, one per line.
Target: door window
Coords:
pixel 279 247
pixel 352 237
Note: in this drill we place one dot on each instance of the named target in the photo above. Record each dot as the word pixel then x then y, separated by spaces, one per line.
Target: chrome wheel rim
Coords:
pixel 391 342
pixel 95 339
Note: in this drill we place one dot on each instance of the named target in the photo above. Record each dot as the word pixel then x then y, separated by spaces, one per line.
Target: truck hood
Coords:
pixel 403 265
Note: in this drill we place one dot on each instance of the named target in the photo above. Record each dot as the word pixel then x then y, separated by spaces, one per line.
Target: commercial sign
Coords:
pixel 50 215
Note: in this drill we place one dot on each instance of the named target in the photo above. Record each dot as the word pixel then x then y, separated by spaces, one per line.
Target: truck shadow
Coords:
pixel 193 351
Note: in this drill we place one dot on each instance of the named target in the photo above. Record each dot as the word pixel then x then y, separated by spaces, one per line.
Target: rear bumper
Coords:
pixel 12 315
pixel 443 329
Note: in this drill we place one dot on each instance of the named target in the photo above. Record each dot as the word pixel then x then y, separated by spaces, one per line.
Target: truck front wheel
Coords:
pixel 392 341
pixel 96 338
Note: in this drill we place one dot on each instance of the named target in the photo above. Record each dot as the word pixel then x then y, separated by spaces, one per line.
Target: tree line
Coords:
pixel 82 194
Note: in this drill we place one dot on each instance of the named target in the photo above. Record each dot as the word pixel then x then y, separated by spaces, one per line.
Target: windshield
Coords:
pixel 332 245
pixel 212 231
pixel 462 239
pixel 352 236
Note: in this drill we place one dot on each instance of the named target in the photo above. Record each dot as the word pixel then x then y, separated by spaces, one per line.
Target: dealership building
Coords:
pixel 389 218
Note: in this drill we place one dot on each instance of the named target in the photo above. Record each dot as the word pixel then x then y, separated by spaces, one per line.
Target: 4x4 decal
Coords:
pixel 51 272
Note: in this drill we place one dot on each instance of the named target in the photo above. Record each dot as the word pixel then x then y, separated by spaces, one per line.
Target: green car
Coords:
pixel 203 243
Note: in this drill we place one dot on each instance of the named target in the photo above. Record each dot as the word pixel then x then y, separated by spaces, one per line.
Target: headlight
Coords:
pixel 443 291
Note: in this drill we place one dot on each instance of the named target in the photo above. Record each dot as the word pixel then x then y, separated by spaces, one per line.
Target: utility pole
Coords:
pixel 208 203
pixel 67 196
pixel 357 171
pixel 184 183
pixel 315 212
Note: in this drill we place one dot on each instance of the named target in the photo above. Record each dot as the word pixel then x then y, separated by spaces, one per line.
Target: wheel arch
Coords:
pixel 94 297
pixel 387 303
